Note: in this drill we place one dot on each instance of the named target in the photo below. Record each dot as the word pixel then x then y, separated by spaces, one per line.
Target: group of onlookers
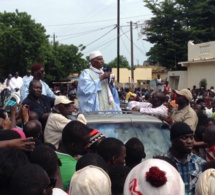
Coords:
pixel 47 148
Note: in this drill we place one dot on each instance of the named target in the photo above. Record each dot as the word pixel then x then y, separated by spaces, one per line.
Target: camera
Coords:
pixel 107 69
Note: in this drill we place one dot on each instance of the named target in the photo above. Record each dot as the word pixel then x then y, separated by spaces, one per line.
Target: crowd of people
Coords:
pixel 47 147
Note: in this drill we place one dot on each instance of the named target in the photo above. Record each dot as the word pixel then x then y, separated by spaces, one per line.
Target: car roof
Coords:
pixel 114 117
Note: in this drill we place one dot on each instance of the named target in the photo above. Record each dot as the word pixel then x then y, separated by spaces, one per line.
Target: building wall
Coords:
pixel 139 74
pixel 177 79
pixel 202 51
pixel 198 71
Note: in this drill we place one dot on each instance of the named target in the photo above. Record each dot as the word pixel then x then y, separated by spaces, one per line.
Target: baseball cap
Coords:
pixel 186 93
pixel 61 99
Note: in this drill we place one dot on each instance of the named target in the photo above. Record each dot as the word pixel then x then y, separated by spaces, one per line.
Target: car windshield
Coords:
pixel 154 136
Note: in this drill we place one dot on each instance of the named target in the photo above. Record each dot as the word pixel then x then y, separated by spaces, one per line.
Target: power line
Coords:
pixel 95 21
pixel 105 43
pixel 100 37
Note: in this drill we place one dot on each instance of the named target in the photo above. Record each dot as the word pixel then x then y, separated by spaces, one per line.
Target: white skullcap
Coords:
pixel 206 182
pixel 90 180
pixel 145 179
pixel 95 54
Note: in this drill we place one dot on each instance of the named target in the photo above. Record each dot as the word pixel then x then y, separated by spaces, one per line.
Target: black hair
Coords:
pixel 109 147
pixel 199 133
pixel 33 82
pixel 29 179
pixel 211 120
pixel 134 152
pixel 8 135
pixel 202 118
pixel 32 128
pixel 74 132
pixel 10 160
pixel 91 159
pixel 118 176
pixel 46 158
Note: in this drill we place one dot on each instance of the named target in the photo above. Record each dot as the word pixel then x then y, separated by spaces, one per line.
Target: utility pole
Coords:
pixel 132 55
pixel 54 39
pixel 118 38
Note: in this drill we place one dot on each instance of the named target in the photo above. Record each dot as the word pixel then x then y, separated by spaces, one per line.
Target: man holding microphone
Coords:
pixel 95 92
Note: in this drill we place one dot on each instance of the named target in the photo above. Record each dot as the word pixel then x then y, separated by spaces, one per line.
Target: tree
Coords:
pixel 174 23
pixel 22 42
pixel 123 62
pixel 67 59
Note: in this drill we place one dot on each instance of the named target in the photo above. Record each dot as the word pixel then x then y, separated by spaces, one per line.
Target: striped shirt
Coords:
pixel 189 170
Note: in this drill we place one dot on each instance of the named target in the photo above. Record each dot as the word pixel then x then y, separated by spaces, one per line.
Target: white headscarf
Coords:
pixel 90 180
pixel 206 183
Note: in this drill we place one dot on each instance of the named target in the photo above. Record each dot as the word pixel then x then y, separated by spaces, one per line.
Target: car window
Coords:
pixel 155 138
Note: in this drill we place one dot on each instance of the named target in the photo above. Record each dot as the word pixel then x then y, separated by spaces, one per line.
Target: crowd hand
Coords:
pixel 106 75
pixel 6 124
pixel 167 119
pixel 24 111
pixel 137 109
pixel 22 144
pixel 13 109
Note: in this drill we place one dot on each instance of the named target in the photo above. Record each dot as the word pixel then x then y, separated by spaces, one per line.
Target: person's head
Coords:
pixel 33 128
pixel 209 135
pixel 206 182
pixel 90 180
pixel 10 160
pixel 31 179
pixel 167 83
pixel 184 96
pixel 210 121
pixel 95 138
pixel 90 159
pixel 154 176
pixel 46 158
pixel 112 151
pixel 158 76
pixel 9 76
pixel 37 71
pixel 199 133
pixel 134 152
pixel 28 73
pixel 16 74
pixel 118 176
pixel 182 138
pixel 35 88
pixel 33 116
pixel 96 59
pixel 157 98
pixel 64 105
pixel 75 138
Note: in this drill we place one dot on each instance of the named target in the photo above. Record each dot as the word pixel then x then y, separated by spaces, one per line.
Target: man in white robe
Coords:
pixel 95 92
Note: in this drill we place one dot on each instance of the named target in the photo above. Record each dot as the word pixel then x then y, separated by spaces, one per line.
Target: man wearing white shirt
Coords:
pixel 155 107
pixel 16 82
pixel 27 78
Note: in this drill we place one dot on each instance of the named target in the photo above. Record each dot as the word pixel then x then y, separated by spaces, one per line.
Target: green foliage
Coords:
pixel 123 62
pixel 23 42
pixel 174 23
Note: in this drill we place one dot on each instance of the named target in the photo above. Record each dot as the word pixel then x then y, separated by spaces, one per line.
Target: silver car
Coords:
pixel 153 133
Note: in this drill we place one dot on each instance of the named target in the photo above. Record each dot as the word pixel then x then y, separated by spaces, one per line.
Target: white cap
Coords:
pixel 154 177
pixel 95 54
pixel 61 99
pixel 90 180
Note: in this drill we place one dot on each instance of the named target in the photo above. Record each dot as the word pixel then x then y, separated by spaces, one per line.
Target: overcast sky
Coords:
pixel 89 22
